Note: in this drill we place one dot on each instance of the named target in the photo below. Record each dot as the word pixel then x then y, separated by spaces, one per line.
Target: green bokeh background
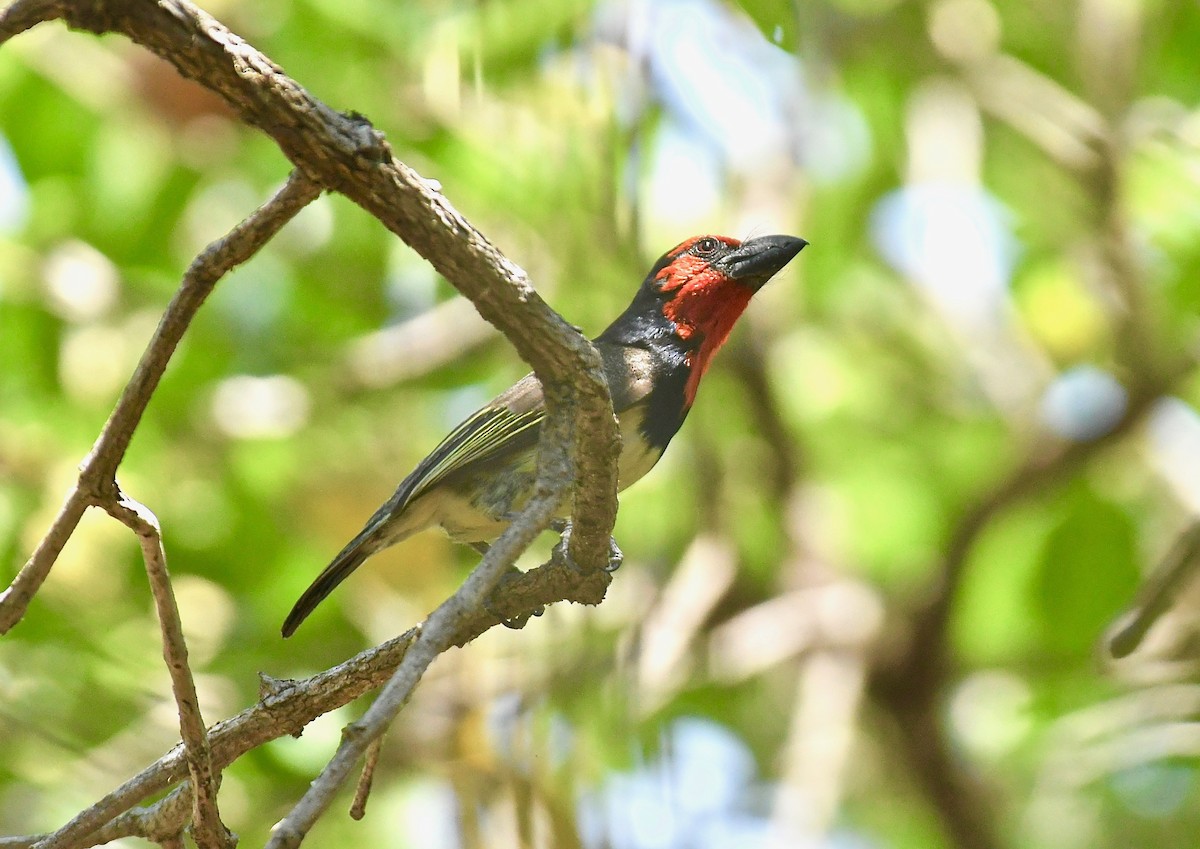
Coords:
pixel 836 445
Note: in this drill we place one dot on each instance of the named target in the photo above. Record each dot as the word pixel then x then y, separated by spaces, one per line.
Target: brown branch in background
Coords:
pixel 413 348
pixel 1158 594
pixel 1081 139
pixel 911 683
pixel 1043 468
pixel 207 829
pixel 97 475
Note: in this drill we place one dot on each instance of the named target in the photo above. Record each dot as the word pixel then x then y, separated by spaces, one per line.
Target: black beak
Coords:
pixel 759 259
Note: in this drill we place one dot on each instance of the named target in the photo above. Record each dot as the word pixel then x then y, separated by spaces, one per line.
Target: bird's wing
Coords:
pixel 509 424
pixel 512 421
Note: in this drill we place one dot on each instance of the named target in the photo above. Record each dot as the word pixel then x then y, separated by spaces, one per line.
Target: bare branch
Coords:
pixel 1042 468
pixel 159 823
pixel 286 707
pixel 14 601
pixel 207 828
pixel 206 270
pixel 358 808
pixel 97 481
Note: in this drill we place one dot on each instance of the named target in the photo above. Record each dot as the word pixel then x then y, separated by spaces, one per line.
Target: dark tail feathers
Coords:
pixel 348 559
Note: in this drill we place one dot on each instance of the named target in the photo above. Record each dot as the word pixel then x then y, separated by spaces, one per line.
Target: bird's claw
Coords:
pixel 561 555
pixel 515 622
pixel 615 556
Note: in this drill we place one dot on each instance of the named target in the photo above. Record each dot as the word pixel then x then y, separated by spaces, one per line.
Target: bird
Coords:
pixel 654 355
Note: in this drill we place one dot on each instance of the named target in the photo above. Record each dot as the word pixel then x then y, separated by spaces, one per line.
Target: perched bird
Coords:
pixel 654 355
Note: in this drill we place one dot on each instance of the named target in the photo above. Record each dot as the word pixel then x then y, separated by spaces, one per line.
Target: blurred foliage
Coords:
pixel 1002 204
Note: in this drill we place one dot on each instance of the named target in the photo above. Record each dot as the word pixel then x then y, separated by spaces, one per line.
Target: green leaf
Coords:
pixel 1087 572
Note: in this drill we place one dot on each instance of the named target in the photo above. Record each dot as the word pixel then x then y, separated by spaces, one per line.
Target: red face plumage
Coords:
pixel 706 303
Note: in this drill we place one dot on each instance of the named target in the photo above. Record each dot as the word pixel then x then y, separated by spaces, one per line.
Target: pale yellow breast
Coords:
pixel 637 457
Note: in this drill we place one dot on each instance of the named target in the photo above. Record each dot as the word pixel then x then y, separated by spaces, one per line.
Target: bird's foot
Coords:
pixel 514 622
pixel 562 555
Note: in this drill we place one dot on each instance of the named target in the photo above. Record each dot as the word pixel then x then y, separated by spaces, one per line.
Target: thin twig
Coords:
pixel 97 474
pixel 207 829
pixel 15 600
pixel 1159 593
pixel 358 808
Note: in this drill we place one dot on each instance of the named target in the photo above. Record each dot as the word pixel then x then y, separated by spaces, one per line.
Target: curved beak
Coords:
pixel 759 259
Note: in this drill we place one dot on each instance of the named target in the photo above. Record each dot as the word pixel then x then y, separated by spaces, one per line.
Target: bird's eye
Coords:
pixel 706 246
